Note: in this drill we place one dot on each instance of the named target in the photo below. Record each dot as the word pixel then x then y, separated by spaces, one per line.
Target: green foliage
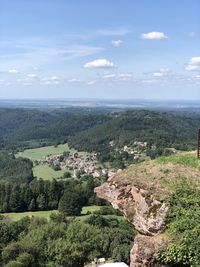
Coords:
pixel 156 128
pixel 67 174
pixel 48 195
pixel 25 128
pixel 184 226
pixel 107 210
pixel 70 243
pixel 70 203
pixel 16 170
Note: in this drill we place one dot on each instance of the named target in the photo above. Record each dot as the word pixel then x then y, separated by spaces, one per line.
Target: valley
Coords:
pixel 62 169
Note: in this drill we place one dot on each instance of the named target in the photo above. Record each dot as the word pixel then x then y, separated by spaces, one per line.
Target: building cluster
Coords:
pixel 78 163
pixel 137 149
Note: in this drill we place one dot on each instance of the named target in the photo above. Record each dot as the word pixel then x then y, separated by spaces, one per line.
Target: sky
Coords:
pixel 103 49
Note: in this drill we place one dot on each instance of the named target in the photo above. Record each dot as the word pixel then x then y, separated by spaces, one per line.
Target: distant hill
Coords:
pixel 91 131
pixel 155 128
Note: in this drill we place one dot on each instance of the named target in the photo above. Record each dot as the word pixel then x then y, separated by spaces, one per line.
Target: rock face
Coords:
pixel 140 193
pixel 145 212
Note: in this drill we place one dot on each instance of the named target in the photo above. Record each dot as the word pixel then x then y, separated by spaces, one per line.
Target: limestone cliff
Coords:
pixel 140 193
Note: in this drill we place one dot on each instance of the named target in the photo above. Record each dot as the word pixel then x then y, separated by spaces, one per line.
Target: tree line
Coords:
pixel 67 196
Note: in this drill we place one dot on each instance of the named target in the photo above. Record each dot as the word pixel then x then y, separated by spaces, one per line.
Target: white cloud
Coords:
pixel 154 36
pixel 125 76
pixel 109 76
pixel 14 71
pixel 149 81
pixel 99 63
pixel 54 78
pixel 161 72
pixel 117 43
pixel 118 77
pixel 193 64
pixel 158 74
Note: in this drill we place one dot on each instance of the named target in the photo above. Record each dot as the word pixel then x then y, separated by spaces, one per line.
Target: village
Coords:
pixel 79 163
pixel 137 149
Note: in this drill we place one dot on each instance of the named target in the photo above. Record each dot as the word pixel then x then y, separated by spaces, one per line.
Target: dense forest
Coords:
pixel 92 131
pixel 15 169
pixel 69 196
pixel 23 128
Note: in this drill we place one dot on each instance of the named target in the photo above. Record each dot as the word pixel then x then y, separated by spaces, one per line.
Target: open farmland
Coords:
pixel 42 152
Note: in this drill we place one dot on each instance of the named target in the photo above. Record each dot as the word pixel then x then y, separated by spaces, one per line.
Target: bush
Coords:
pixel 184 226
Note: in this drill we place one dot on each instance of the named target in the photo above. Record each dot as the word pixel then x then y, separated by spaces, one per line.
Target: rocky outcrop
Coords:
pixel 145 212
pixel 140 192
pixel 140 208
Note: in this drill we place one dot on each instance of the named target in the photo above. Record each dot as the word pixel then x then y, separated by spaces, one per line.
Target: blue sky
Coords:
pixel 100 49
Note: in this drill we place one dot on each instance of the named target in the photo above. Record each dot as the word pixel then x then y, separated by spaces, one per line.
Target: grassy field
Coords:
pixel 42 152
pixel 46 214
pixel 17 216
pixel 46 172
pixel 188 159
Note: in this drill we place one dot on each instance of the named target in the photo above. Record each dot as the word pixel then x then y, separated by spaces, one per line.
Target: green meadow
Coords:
pixel 42 152
pixel 46 172
pixel 16 216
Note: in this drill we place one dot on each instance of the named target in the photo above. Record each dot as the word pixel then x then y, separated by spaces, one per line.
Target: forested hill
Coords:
pixel 24 128
pixel 155 128
pixel 92 131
